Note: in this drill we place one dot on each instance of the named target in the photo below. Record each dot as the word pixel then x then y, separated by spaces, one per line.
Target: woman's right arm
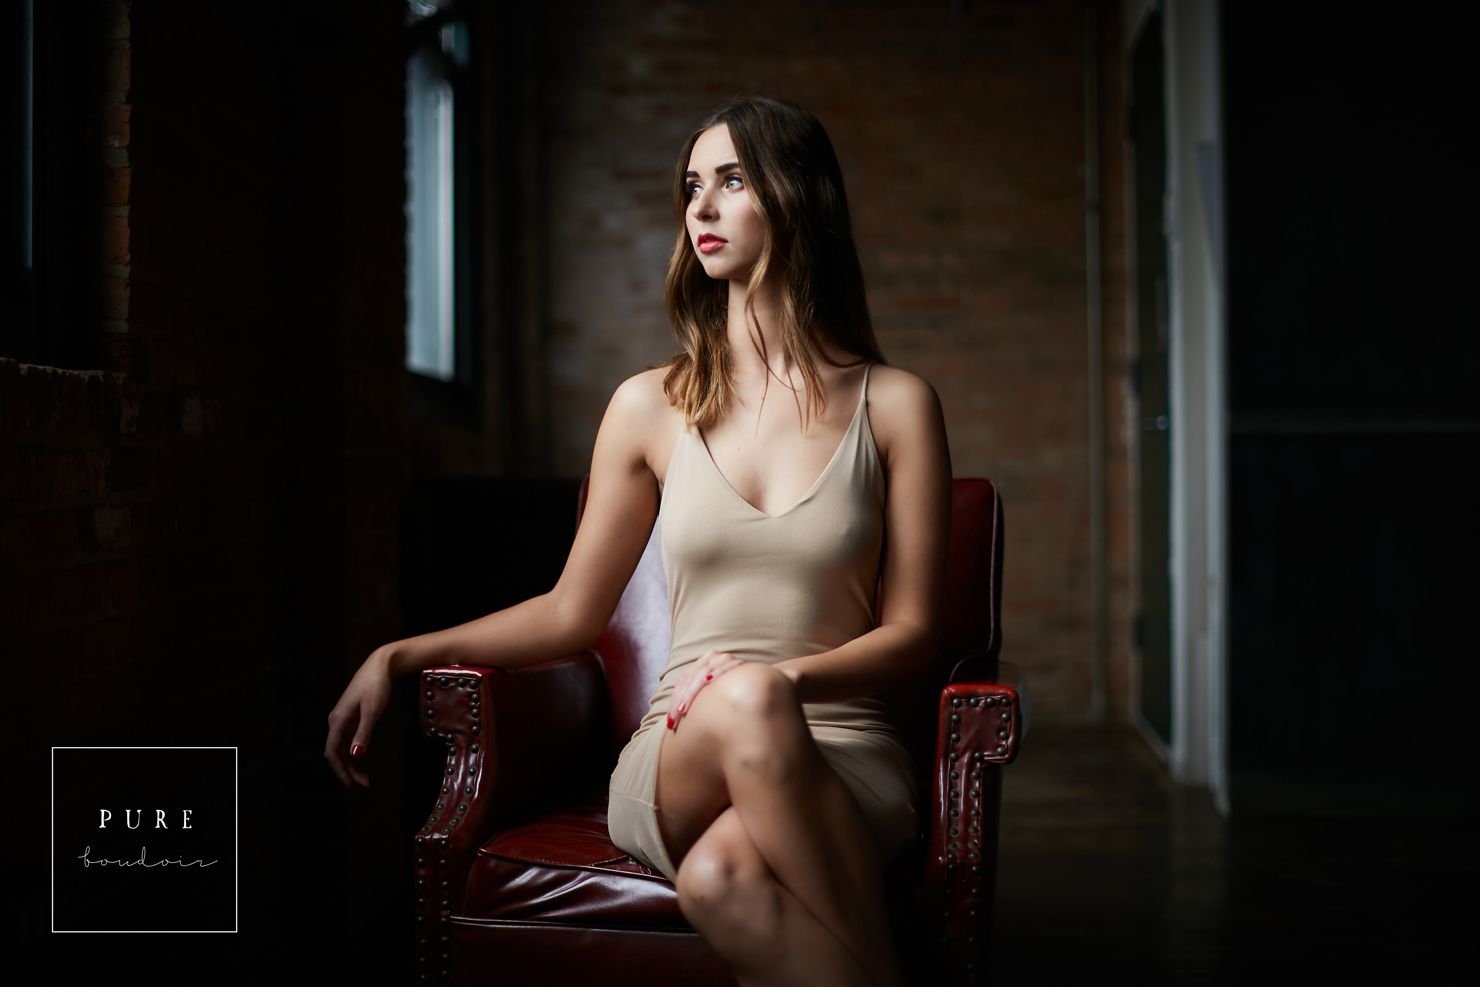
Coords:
pixel 621 505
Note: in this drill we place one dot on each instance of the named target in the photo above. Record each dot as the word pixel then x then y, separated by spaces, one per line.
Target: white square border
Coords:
pixel 236 807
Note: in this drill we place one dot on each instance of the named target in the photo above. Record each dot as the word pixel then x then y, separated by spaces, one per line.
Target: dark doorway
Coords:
pixel 1354 416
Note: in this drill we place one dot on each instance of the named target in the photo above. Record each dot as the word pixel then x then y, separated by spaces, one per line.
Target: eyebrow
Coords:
pixel 728 166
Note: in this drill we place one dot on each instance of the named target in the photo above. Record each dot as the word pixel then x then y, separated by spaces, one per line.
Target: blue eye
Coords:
pixel 691 186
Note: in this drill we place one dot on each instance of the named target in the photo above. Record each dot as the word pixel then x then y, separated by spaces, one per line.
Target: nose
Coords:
pixel 704 205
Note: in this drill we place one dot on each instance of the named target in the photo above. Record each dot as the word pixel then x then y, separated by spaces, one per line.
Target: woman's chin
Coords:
pixel 720 271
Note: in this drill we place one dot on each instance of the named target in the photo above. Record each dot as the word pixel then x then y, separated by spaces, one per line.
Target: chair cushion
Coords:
pixel 563 867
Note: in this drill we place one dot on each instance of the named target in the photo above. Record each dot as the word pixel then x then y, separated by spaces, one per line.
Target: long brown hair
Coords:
pixel 792 173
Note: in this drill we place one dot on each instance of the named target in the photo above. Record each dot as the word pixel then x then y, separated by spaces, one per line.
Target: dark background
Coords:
pixel 1354 415
pixel 219 493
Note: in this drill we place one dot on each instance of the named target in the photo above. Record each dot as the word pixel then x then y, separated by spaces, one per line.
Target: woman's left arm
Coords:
pixel 906 416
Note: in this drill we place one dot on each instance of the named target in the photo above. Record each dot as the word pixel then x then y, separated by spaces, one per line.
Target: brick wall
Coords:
pixel 961 136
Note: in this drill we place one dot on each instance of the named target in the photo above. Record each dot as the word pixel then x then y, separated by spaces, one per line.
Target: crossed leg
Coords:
pixel 774 857
pixel 727 891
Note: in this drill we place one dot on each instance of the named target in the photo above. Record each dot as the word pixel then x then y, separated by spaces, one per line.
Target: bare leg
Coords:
pixel 768 937
pixel 748 745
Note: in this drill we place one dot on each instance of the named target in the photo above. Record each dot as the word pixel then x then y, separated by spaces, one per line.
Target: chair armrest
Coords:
pixel 1012 677
pixel 984 717
pixel 517 738
pixel 980 724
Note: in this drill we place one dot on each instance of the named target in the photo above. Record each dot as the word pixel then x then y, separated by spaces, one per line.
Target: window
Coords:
pixel 51 168
pixel 439 140
pixel 17 254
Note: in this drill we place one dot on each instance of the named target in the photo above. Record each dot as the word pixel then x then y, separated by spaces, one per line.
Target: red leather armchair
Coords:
pixel 517 881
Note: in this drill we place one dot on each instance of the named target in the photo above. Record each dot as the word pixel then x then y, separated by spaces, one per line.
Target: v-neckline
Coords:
pixel 817 483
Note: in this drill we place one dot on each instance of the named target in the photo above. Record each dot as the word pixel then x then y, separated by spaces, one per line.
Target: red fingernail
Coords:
pixel 709 676
pixel 670 721
pixel 354 750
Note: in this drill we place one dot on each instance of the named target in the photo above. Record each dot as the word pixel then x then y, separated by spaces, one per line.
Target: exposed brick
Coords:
pixel 116 240
pixel 115 298
pixel 117 183
pixel 116 119
pixel 967 191
pixel 116 75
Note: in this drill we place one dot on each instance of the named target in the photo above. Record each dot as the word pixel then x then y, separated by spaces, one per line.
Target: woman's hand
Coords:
pixel 709 666
pixel 354 716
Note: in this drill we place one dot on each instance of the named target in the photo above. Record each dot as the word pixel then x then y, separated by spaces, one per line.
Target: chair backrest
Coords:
pixel 971 612
pixel 634 646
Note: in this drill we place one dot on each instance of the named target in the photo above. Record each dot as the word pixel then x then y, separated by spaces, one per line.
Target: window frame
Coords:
pixel 456 401
pixel 51 308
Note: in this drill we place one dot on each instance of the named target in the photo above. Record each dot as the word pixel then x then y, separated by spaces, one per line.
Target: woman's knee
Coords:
pixel 755 690
pixel 725 886
pixel 758 723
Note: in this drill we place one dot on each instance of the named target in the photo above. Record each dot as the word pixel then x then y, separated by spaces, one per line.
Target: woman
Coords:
pixel 765 780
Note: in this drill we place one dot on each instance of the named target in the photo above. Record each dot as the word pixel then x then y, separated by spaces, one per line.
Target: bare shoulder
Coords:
pixel 641 395
pixel 895 384
pixel 642 413
pixel 903 408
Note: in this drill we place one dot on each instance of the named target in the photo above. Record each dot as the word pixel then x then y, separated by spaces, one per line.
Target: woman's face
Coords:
pixel 720 206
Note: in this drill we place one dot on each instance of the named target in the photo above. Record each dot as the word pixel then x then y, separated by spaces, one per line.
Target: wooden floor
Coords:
pixel 1106 866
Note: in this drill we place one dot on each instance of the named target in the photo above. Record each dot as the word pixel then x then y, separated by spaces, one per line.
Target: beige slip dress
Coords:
pixel 769 587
